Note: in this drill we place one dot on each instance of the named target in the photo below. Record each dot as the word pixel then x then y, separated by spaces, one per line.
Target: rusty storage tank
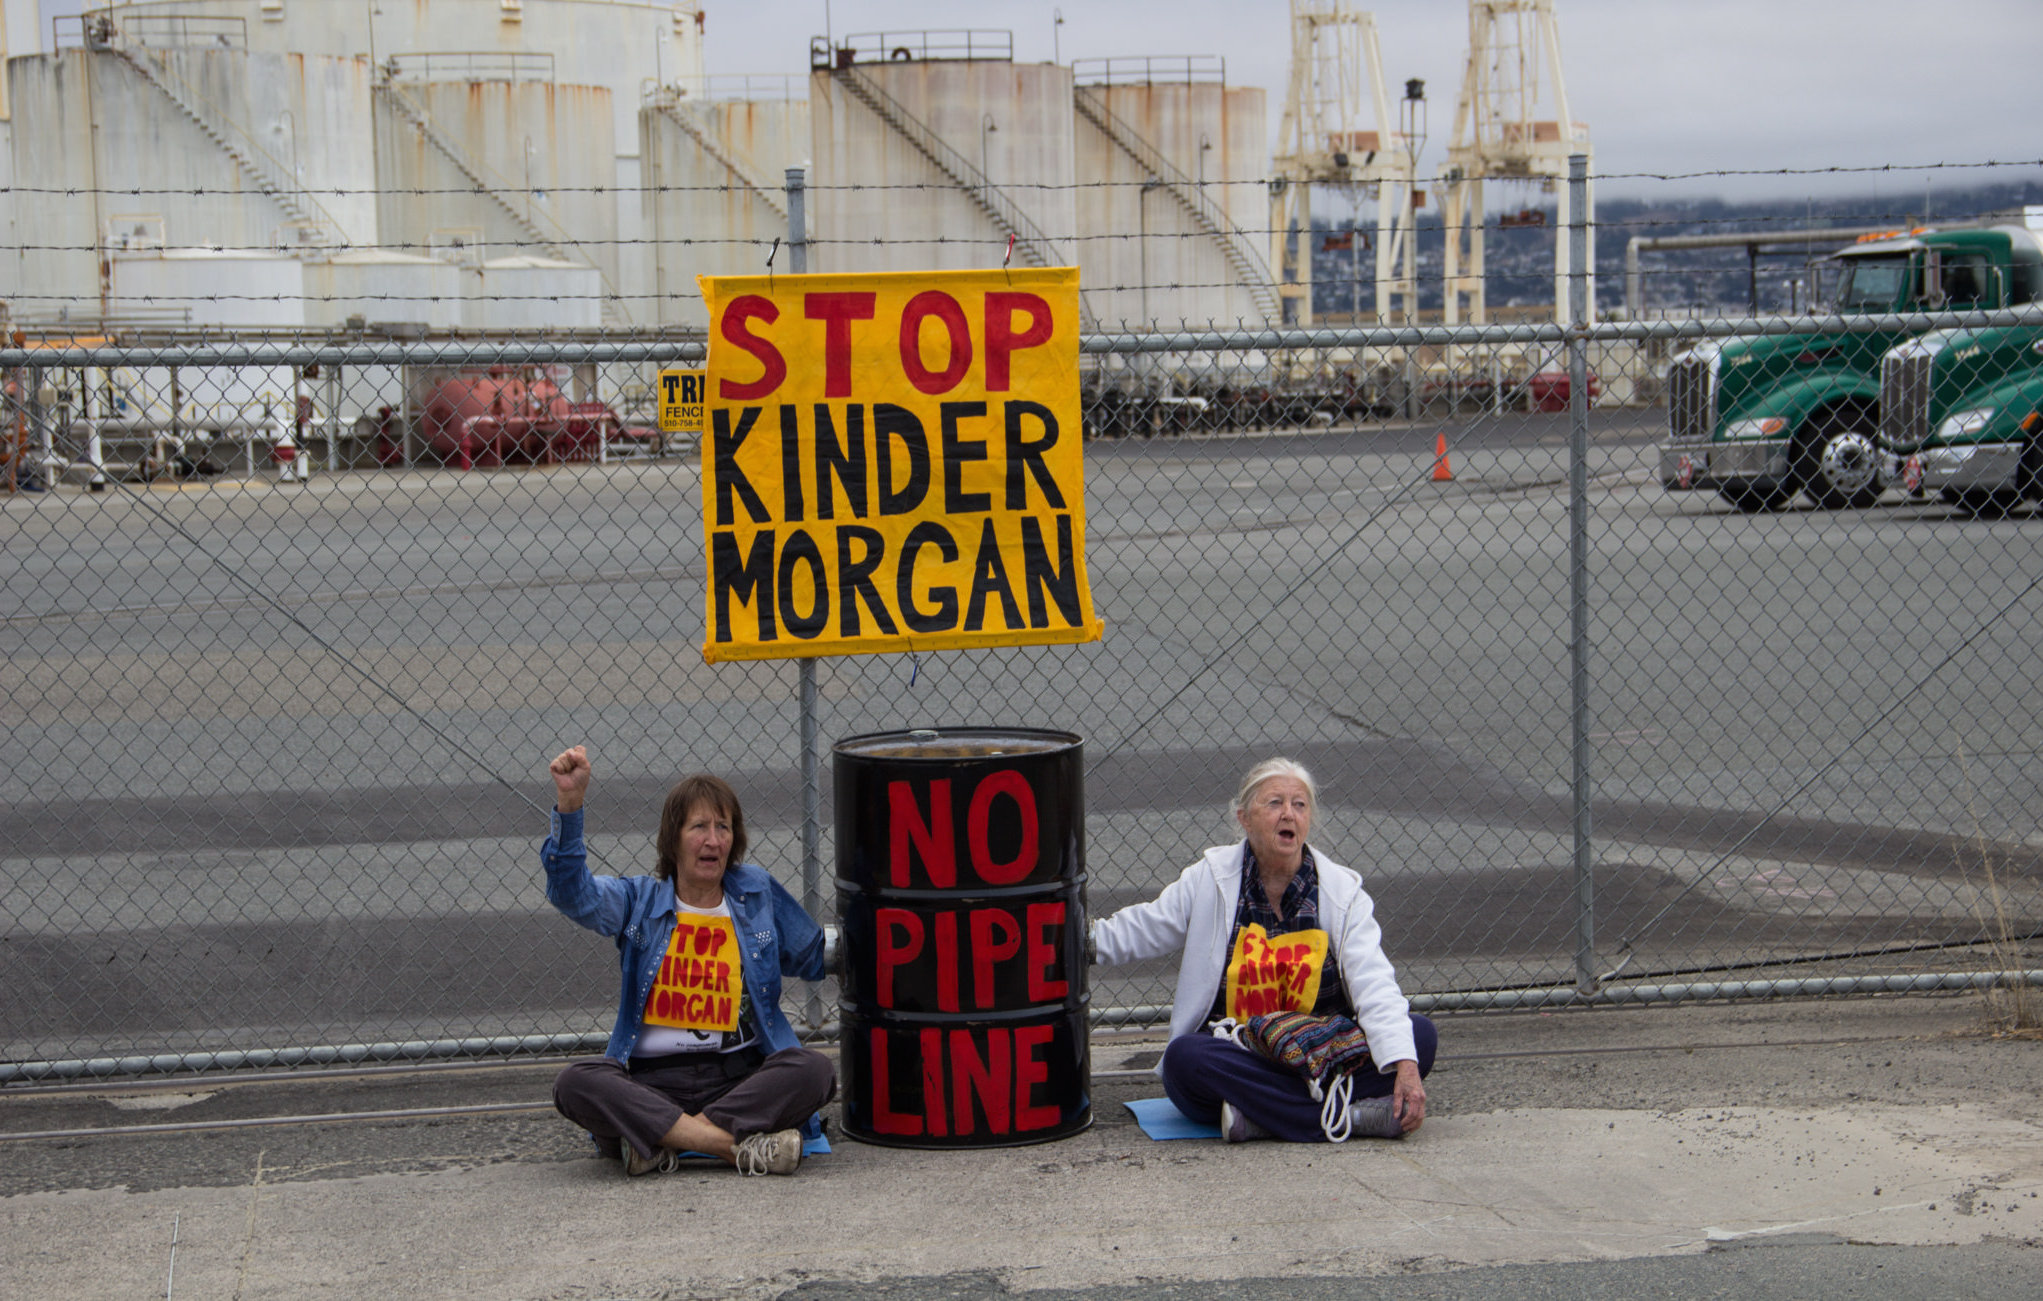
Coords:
pixel 961 902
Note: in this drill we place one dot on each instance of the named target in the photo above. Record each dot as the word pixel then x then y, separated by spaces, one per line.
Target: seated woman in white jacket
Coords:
pixel 1268 925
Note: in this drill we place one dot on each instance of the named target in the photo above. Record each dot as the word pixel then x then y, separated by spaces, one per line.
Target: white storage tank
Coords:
pixel 532 293
pixel 619 44
pixel 715 162
pixel 514 168
pixel 221 148
pixel 383 286
pixel 233 288
pixel 940 146
pixel 1171 165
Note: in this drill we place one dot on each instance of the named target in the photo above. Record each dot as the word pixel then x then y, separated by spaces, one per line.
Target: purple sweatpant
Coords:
pixel 611 1102
pixel 1200 1072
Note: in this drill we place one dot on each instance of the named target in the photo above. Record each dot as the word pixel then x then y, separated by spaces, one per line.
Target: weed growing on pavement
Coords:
pixel 2013 1009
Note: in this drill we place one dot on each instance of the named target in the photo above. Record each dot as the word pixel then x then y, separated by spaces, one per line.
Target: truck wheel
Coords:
pixel 1758 495
pixel 1839 465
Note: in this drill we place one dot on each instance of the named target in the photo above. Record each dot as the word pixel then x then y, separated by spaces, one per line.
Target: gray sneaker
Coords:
pixel 1375 1118
pixel 778 1153
pixel 662 1161
pixel 1237 1128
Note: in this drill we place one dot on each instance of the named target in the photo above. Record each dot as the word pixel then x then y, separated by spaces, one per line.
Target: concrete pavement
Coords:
pixel 1611 1136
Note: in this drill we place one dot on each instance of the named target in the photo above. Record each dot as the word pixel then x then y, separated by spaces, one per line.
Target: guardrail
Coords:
pixel 158 31
pixel 956 44
pixel 743 87
pixel 1151 70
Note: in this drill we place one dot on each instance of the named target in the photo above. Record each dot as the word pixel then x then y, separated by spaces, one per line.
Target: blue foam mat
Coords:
pixel 1160 1120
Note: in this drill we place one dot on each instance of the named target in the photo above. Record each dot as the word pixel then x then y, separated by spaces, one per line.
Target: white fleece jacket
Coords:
pixel 1194 916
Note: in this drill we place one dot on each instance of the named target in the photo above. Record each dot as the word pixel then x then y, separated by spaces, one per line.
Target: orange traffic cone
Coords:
pixel 1442 472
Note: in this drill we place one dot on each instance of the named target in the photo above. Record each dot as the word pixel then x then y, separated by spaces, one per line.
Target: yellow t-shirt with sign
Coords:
pixel 698 994
pixel 1268 973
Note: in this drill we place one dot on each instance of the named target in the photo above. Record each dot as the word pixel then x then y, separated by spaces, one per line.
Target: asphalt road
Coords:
pixel 273 754
pixel 1818 1265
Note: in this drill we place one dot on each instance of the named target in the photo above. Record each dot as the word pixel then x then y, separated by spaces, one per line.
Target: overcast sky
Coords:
pixel 1665 86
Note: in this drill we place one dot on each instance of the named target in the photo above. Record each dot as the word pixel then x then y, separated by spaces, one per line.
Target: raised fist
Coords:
pixel 571 773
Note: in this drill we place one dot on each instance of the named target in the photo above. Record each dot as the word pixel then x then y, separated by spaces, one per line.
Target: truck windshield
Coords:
pixel 1871 284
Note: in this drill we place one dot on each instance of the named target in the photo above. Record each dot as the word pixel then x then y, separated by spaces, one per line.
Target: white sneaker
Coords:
pixel 778 1153
pixel 1237 1128
pixel 662 1161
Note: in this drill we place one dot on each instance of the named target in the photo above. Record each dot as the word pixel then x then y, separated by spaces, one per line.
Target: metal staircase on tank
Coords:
pixel 422 121
pixel 1031 244
pixel 704 136
pixel 1209 216
pixel 321 232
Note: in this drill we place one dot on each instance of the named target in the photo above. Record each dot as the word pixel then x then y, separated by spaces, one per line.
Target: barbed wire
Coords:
pixel 1494 227
pixel 1900 221
pixel 1867 169
pixel 1263 184
pixel 1321 286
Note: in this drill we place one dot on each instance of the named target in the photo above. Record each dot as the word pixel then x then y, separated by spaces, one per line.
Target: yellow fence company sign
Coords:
pixel 681 401
pixel 893 462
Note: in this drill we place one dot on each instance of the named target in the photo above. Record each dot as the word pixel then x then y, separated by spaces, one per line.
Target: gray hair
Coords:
pixel 1267 769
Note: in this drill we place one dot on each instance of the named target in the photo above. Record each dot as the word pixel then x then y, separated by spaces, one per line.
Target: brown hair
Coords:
pixel 688 794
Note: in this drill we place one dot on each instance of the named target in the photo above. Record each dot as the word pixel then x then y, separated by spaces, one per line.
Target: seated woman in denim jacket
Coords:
pixel 701 1058
pixel 1267 925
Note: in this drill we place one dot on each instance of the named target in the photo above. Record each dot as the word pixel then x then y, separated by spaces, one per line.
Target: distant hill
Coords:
pixel 1706 281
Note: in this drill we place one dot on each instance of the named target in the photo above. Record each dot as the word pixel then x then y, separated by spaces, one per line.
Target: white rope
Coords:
pixel 1334 1120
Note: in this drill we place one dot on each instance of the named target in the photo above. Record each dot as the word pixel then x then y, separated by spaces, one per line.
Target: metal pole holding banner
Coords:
pixel 1578 565
pixel 812 791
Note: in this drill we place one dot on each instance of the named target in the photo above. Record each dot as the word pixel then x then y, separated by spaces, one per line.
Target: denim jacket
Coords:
pixel 775 936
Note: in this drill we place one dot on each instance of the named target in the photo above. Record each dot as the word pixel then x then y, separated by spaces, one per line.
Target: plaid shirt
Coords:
pixel 1298 910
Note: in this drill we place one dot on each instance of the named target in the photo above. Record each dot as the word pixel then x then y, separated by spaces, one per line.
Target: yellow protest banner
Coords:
pixel 893 461
pixel 681 401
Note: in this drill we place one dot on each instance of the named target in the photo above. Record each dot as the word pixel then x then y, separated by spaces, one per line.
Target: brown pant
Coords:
pixel 612 1102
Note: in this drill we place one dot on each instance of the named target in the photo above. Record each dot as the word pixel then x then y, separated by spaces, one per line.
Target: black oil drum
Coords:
pixel 961 903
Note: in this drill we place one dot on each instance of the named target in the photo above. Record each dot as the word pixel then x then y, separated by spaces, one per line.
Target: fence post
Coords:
pixel 1578 566
pixel 333 419
pixel 812 794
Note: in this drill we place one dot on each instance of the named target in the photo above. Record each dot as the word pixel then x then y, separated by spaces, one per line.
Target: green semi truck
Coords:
pixel 1760 418
pixel 1959 416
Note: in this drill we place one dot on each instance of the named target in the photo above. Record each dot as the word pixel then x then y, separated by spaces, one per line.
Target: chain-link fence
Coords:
pixel 276 729
pixel 1635 660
